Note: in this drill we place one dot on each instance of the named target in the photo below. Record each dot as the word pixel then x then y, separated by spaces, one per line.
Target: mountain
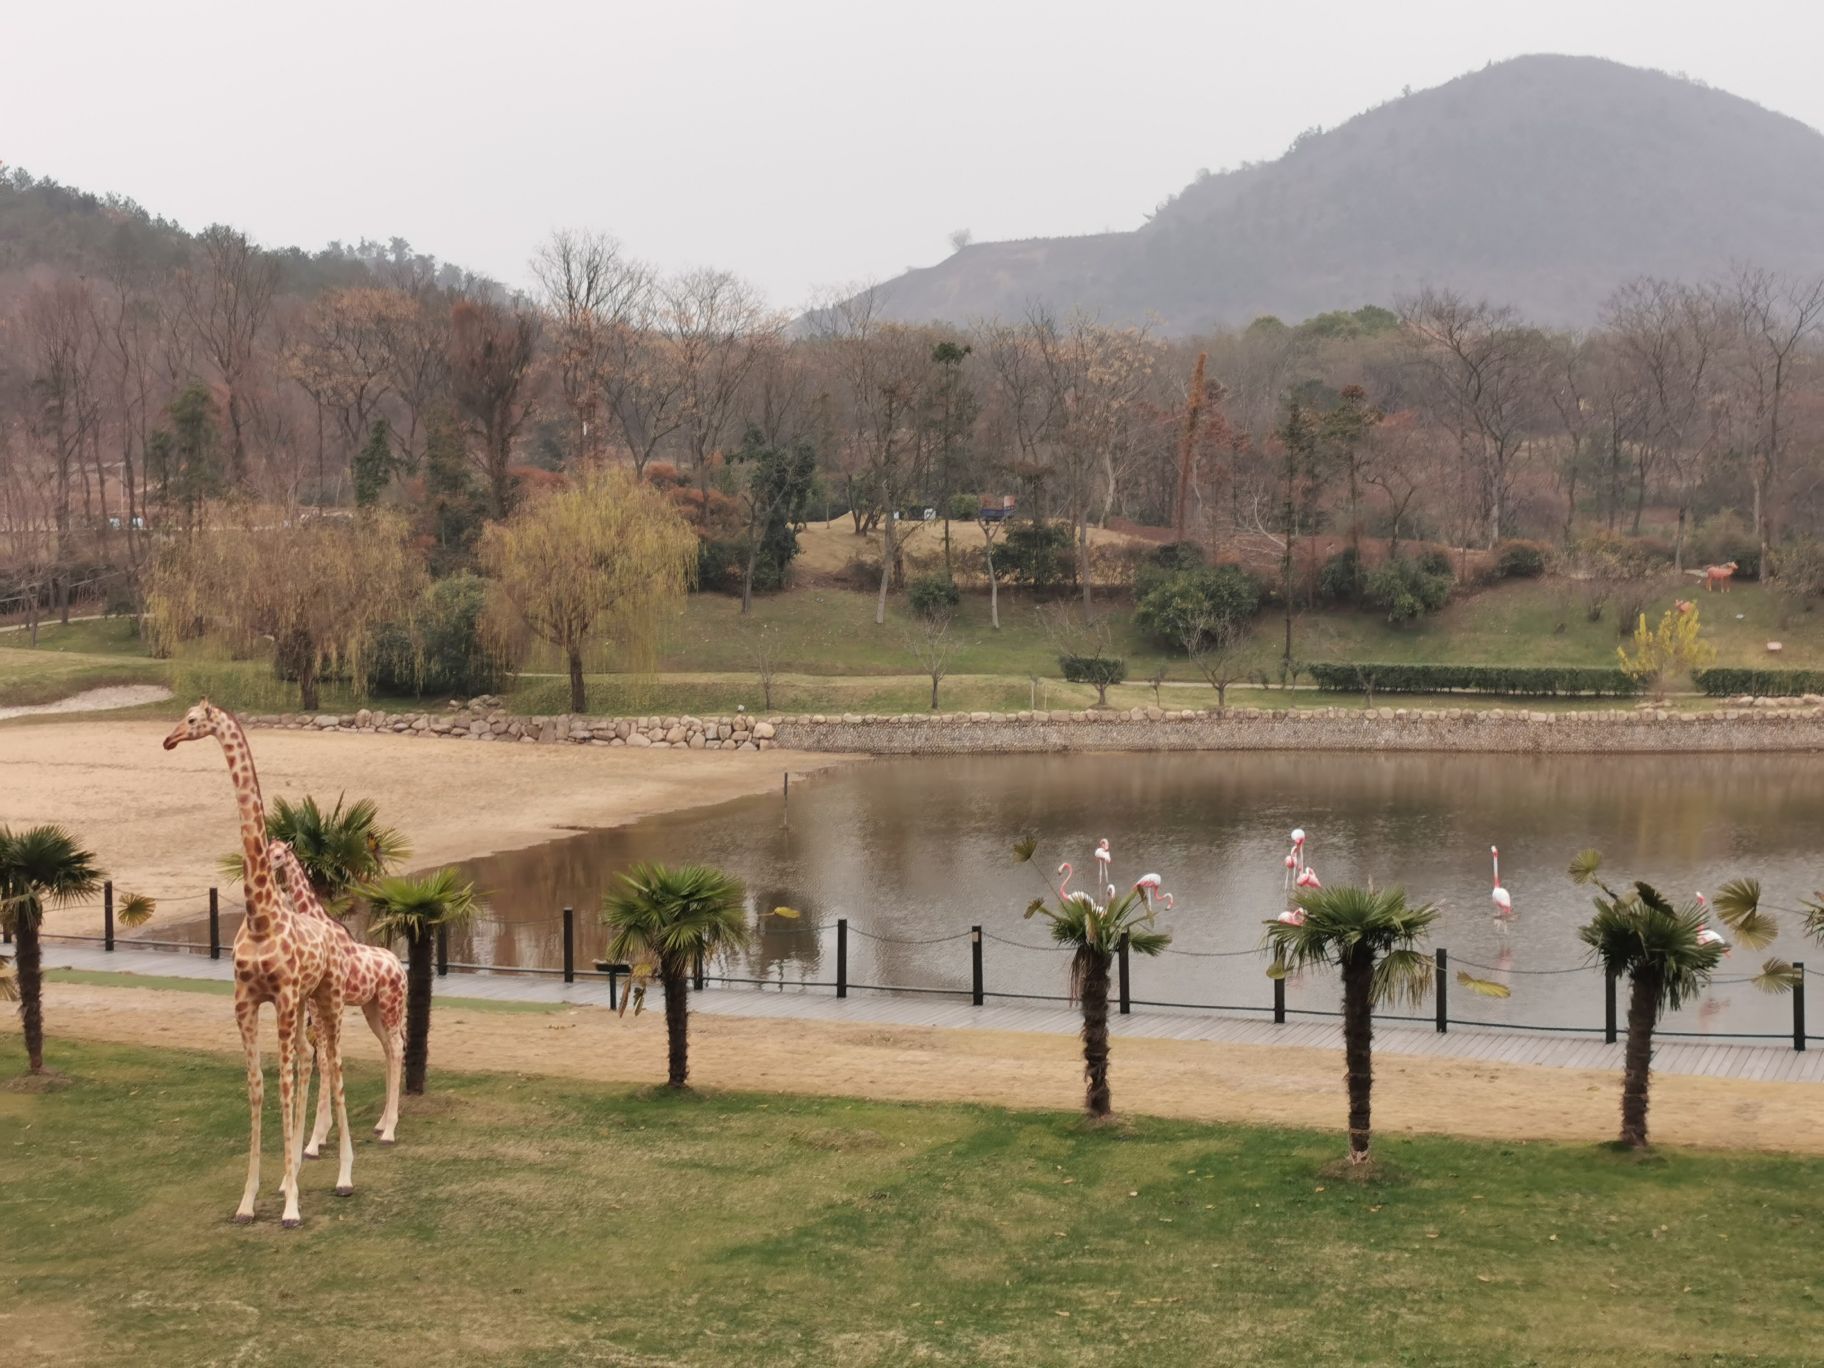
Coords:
pixel 1541 182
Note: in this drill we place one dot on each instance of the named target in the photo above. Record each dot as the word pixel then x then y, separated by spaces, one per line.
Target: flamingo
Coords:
pixel 1293 916
pixel 1104 857
pixel 1307 878
pixel 1504 903
pixel 1705 936
pixel 1149 884
pixel 1065 875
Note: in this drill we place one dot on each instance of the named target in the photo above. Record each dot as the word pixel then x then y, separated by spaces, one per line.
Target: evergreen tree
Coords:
pixel 374 465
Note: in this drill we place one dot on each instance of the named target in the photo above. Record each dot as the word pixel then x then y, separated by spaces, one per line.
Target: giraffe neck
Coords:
pixel 263 911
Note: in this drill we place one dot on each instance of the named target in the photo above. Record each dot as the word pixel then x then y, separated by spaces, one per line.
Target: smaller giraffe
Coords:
pixel 1717 577
pixel 372 979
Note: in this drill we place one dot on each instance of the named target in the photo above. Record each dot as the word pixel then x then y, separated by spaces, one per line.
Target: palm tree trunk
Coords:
pixel 28 964
pixel 417 1008
pixel 674 976
pixel 1643 1009
pixel 1358 1049
pixel 1092 966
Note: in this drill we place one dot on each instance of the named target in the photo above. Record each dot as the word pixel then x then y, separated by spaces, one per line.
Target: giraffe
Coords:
pixel 372 979
pixel 279 958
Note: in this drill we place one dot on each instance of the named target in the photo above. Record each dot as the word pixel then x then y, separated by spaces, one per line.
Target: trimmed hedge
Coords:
pixel 1723 683
pixel 1488 679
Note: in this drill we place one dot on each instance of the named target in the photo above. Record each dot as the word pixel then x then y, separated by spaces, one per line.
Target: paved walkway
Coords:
pixel 1770 1061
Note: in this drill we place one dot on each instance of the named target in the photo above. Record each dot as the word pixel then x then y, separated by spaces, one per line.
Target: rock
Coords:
pixel 764 731
pixel 638 739
pixel 325 722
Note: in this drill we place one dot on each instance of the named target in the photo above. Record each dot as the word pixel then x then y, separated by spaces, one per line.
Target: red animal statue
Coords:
pixel 1718 576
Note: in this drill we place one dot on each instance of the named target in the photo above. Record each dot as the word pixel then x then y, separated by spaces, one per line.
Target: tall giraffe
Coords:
pixel 372 979
pixel 280 958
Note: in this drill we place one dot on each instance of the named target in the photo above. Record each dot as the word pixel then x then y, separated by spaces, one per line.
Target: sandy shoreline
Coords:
pixel 1193 1080
pixel 160 820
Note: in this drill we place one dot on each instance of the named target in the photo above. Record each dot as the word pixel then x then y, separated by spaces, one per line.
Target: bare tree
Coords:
pixel 1774 318
pixel 590 289
pixel 227 296
pixel 719 327
pixel 929 640
pixel 491 352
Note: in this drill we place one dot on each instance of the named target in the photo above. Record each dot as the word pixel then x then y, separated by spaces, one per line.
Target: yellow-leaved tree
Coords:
pixel 318 586
pixel 599 564
pixel 1673 647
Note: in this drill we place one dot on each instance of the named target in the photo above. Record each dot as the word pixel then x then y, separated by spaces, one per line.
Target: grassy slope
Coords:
pixel 530 1221
pixel 833 658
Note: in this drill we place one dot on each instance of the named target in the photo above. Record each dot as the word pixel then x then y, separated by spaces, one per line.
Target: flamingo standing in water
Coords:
pixel 1104 858
pixel 1297 873
pixel 1065 875
pixel 1705 936
pixel 1147 885
pixel 1504 903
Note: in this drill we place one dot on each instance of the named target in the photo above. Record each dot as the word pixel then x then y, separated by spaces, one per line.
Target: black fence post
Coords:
pixel 107 915
pixel 1442 989
pixel 975 965
pixel 1127 1004
pixel 614 983
pixel 215 925
pixel 1279 1001
pixel 699 981
pixel 1798 1006
pixel 1608 1009
pixel 842 957
pixel 569 945
pixel 443 951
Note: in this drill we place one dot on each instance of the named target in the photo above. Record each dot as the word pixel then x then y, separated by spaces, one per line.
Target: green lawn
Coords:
pixel 162 983
pixel 524 1220
pixel 832 657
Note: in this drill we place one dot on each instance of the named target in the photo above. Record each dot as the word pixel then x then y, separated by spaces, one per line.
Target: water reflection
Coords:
pixel 913 852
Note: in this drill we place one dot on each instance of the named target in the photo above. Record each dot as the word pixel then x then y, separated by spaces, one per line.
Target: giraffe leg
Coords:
pixel 289 1039
pixel 376 1022
pixel 330 1028
pixel 314 1145
pixel 247 1016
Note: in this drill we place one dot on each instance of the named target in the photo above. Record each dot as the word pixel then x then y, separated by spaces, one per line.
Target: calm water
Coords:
pixel 913 851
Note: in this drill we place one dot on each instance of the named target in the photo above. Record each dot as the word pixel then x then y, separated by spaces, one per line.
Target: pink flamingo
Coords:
pixel 1705 936
pixel 1147 885
pixel 1504 903
pixel 1307 878
pixel 1104 857
pixel 1293 916
pixel 1065 874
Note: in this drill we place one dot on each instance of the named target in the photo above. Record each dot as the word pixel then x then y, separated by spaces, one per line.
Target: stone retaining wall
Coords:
pixel 1757 725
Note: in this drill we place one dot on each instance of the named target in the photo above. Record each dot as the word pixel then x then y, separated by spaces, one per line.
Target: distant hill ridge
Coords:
pixel 1541 182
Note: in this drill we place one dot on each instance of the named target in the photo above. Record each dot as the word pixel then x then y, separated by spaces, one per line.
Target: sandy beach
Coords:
pixel 1265 1084
pixel 159 820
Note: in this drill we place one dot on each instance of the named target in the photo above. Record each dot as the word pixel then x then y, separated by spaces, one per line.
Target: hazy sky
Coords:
pixel 798 142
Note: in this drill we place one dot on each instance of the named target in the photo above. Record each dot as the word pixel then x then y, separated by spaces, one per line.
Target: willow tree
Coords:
pixel 318 588
pixel 597 565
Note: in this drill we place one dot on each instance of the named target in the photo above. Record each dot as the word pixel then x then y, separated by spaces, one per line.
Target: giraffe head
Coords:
pixel 198 723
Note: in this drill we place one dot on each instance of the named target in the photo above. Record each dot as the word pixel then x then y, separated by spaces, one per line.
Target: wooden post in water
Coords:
pixel 1443 980
pixel 107 915
pixel 975 962
pixel 215 925
pixel 1127 1004
pixel 842 957
pixel 569 945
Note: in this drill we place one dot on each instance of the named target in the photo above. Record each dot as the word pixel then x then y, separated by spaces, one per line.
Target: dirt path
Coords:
pixel 159 820
pixel 1278 1085
pixel 93 700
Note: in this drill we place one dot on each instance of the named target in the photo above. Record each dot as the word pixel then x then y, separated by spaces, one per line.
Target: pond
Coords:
pixel 913 852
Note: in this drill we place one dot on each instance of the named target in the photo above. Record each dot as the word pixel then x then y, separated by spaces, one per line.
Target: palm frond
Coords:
pixel 1584 865
pixel 1483 987
pixel 1277 970
pixel 1738 898
pixel 1033 908
pixel 1756 931
pixel 1814 916
pixel 1025 848
pixel 1403 976
pixel 789 913
pixel 9 982
pixel 1777 976
pixel 408 907
pixel 134 909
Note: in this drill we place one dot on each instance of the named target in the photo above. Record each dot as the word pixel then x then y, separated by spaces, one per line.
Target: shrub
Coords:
pixel 442 651
pixel 931 596
pixel 1183 555
pixel 1214 598
pixel 1547 680
pixel 1519 560
pixel 1340 581
pixel 1435 560
pixel 1036 554
pixel 1724 681
pixel 1404 589
pixel 1100 671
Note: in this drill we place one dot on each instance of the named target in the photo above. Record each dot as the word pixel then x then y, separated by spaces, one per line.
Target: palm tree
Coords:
pixel 1372 936
pixel 339 849
pixel 414 910
pixel 1095 932
pixel 44 867
pixel 660 921
pixel 1668 955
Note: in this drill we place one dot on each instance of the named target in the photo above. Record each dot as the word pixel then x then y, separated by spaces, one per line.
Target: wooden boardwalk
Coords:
pixel 1768 1061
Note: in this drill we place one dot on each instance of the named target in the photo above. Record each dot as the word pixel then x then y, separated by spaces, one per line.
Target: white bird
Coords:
pixel 1504 903
pixel 1149 884
pixel 1104 857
